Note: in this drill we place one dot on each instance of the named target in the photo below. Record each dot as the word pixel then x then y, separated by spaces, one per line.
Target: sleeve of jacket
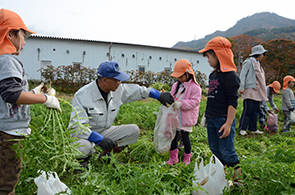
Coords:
pixel 194 98
pixel 271 102
pixel 79 120
pixel 243 74
pixel 289 99
pixel 232 86
pixel 133 92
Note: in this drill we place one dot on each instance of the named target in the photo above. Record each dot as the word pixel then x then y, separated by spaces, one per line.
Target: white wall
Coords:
pixel 61 51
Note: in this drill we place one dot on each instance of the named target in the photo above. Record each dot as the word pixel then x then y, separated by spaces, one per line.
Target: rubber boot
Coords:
pixel 187 158
pixel 173 157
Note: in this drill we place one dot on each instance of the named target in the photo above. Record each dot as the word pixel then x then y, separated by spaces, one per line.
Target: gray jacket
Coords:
pixel 93 111
pixel 247 75
pixel 269 96
pixel 287 99
pixel 13 116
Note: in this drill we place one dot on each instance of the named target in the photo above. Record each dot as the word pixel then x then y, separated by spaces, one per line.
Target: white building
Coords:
pixel 41 51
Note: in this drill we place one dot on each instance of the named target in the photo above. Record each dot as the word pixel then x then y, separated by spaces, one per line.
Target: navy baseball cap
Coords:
pixel 110 69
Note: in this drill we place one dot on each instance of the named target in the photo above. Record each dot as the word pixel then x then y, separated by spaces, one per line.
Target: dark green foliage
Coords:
pixel 273 33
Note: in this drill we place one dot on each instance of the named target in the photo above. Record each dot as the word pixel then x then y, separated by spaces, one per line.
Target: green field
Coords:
pixel 267 161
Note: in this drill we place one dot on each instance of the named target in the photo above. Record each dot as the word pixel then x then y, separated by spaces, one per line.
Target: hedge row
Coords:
pixel 68 79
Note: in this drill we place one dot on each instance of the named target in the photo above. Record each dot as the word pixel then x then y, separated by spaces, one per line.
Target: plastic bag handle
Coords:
pixel 210 164
pixel 201 164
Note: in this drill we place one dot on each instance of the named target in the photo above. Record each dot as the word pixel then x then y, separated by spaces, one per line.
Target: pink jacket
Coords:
pixel 190 104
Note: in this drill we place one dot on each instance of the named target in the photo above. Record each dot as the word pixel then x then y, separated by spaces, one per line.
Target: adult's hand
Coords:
pixel 166 99
pixel 277 110
pixel 107 144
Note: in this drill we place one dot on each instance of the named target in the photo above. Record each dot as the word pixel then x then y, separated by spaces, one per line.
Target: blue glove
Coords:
pixel 95 137
pixel 155 94
pixel 164 97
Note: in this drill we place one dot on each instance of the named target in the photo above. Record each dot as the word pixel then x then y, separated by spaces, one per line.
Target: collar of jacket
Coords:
pixel 96 95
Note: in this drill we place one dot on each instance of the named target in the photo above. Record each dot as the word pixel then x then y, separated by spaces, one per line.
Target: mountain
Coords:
pixel 275 33
pixel 263 20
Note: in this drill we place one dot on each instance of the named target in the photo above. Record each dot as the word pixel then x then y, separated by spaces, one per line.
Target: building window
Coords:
pixel 45 63
pixel 141 68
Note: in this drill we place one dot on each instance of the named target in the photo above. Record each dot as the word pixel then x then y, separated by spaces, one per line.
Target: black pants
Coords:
pixel 186 141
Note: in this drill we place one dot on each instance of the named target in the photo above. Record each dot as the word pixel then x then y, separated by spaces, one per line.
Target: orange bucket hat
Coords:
pixel 182 66
pixel 10 20
pixel 276 86
pixel 286 81
pixel 221 46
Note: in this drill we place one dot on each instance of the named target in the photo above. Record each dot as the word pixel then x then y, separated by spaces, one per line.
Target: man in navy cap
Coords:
pixel 97 105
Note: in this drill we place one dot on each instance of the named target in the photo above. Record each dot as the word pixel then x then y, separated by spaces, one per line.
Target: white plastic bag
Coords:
pixel 165 128
pixel 211 177
pixel 272 122
pixel 292 118
pixel 50 186
pixel 203 121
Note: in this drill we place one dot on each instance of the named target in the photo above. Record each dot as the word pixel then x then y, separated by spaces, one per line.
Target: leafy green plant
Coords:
pixel 267 161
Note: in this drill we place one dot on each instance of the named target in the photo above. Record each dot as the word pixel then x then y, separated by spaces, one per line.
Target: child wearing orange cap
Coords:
pixel 271 89
pixel 222 102
pixel 187 95
pixel 287 101
pixel 15 98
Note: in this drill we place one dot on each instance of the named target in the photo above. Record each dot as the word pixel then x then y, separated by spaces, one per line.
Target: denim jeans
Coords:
pixel 223 148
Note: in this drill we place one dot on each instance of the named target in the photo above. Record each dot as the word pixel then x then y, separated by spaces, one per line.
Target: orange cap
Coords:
pixel 287 79
pixel 221 46
pixel 276 86
pixel 182 66
pixel 10 20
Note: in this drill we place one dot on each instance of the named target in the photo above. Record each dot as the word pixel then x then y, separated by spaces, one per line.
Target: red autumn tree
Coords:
pixel 241 47
pixel 279 60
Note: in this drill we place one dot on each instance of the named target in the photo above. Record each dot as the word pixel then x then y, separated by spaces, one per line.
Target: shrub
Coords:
pixel 68 79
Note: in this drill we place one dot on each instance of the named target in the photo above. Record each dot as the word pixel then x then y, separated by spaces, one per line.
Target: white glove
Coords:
pixel 37 90
pixel 52 102
pixel 176 105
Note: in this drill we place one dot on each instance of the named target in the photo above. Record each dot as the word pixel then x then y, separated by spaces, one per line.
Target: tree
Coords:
pixel 279 60
pixel 241 47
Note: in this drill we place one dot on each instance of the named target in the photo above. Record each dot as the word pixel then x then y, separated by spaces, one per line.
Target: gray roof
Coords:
pixel 34 36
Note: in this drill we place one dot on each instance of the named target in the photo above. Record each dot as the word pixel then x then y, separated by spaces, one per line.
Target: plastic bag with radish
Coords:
pixel 165 128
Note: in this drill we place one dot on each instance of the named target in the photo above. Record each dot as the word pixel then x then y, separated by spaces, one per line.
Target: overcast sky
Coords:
pixel 145 22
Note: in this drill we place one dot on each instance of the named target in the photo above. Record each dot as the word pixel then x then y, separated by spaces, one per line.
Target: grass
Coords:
pixel 267 161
